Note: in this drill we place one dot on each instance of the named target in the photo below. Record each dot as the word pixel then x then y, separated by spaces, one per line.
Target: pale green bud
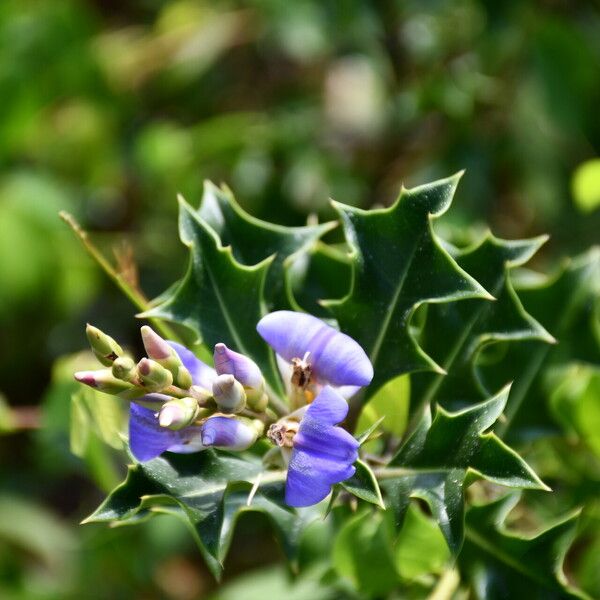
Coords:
pixel 178 413
pixel 183 378
pixel 124 368
pixel 160 351
pixel 104 381
pixel 103 346
pixel 229 394
pixel 153 376
pixel 257 401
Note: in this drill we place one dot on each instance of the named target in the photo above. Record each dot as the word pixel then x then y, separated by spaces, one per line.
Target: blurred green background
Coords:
pixel 109 108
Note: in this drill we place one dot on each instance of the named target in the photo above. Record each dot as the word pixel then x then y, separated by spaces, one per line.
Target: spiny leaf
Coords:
pixel 209 491
pixel 219 299
pixel 253 240
pixel 363 484
pixel 397 265
pixel 324 271
pixel 567 305
pixel 507 565
pixel 454 333
pixel 435 460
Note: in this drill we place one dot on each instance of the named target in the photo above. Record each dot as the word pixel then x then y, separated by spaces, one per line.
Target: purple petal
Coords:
pixel 227 433
pixel 306 484
pixel 245 370
pixel 328 407
pixel 202 374
pixel 334 356
pixel 147 439
pixel 323 454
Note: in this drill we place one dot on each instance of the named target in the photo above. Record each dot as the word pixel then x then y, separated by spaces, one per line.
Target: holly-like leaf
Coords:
pixel 363 484
pixel 504 564
pixel 323 272
pixel 208 491
pixel 436 460
pixel 218 298
pixel 567 304
pixel 253 240
pixel 455 333
pixel 398 264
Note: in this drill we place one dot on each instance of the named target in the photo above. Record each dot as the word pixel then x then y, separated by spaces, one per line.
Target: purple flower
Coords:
pixel 246 371
pixel 318 353
pixel 322 454
pixel 148 439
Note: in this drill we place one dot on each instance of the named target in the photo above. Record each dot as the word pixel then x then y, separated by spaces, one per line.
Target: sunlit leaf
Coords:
pixel 398 264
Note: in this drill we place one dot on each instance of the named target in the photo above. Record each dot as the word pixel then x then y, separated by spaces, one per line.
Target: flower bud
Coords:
pixel 178 413
pixel 246 371
pixel 104 381
pixel 183 378
pixel 229 433
pixel 257 402
pixel 160 351
pixel 124 368
pixel 103 346
pixel 229 394
pixel 153 376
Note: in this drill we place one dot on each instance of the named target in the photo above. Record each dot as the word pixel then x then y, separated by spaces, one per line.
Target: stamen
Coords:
pixel 282 433
pixel 301 371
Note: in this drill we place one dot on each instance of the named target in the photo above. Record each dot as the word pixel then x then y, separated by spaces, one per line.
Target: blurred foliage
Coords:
pixel 109 109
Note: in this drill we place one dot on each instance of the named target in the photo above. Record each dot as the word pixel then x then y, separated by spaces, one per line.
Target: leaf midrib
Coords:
pixel 458 346
pixel 266 478
pixel 230 325
pixel 394 302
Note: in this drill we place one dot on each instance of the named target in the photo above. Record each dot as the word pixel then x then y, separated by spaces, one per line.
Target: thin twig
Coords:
pixel 135 295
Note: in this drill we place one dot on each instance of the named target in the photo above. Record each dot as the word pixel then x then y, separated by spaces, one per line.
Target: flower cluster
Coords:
pixel 180 404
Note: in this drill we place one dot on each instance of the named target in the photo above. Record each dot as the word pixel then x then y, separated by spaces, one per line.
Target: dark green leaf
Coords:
pixel 567 305
pixel 322 272
pixel 209 491
pixel 435 460
pixel 219 299
pixel 363 484
pixel 455 333
pixel 504 564
pixel 253 240
pixel 398 264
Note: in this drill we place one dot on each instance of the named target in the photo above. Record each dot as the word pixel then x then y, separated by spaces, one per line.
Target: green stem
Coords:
pixel 134 295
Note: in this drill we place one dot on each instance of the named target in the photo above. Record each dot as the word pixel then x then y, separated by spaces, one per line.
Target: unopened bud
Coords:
pixel 156 348
pixel 161 351
pixel 124 368
pixel 246 371
pixel 178 413
pixel 183 378
pixel 229 433
pixel 257 402
pixel 104 381
pixel 229 394
pixel 103 346
pixel 153 376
